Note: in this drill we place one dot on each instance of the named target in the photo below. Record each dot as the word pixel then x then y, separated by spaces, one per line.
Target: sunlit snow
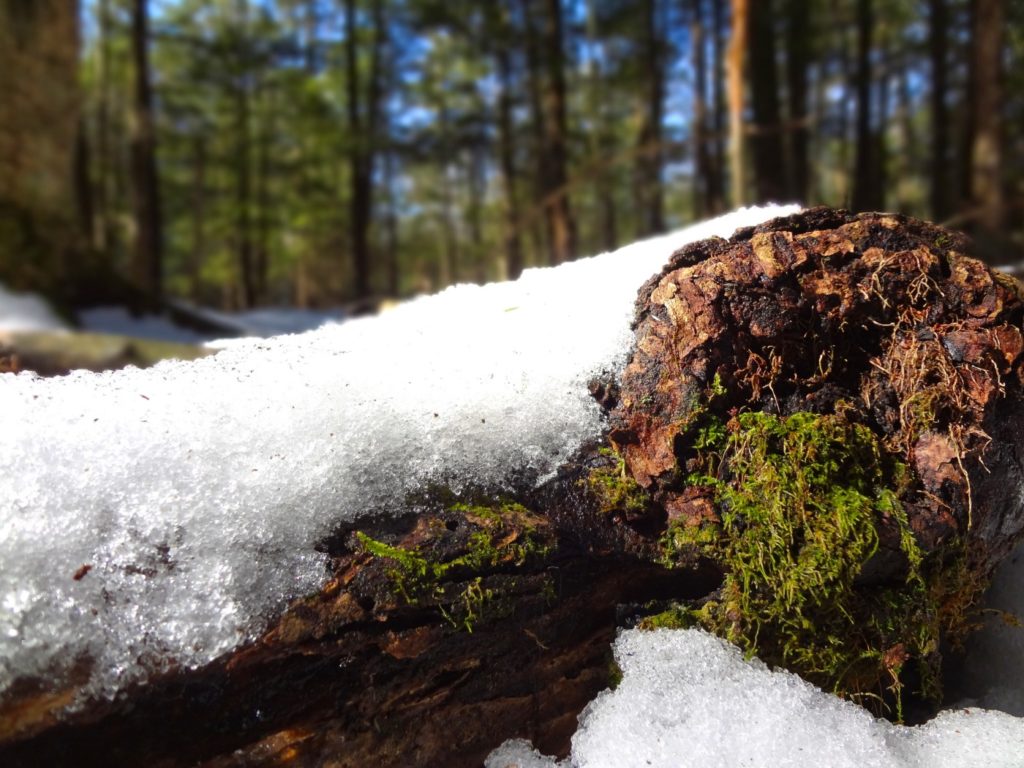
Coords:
pixel 690 700
pixel 187 498
pixel 27 312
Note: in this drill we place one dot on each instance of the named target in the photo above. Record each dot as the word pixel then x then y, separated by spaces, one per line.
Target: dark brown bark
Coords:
pixel 798 39
pixel 938 25
pixel 648 193
pixel 147 264
pixel 865 189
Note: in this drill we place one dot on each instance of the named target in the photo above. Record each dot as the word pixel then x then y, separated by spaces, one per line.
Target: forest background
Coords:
pixel 313 153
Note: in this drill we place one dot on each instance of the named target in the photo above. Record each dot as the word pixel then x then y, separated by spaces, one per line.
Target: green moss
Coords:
pixel 505 535
pixel 801 500
pixel 614 488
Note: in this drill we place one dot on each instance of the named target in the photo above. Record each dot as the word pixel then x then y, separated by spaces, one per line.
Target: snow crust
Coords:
pixel 160 516
pixel 27 312
pixel 690 700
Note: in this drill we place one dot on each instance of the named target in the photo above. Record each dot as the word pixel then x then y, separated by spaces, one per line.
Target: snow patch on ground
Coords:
pixel 690 700
pixel 27 312
pixel 162 516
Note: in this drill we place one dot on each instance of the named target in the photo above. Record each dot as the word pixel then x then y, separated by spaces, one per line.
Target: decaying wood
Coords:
pixel 444 633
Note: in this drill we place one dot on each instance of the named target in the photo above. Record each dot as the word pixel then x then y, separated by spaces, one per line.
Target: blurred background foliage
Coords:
pixel 311 153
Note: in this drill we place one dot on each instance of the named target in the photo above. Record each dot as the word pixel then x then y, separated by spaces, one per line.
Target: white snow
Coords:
pixel 27 312
pixel 197 491
pixel 690 700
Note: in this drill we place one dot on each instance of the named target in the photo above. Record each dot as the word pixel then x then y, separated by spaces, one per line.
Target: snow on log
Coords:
pixel 403 540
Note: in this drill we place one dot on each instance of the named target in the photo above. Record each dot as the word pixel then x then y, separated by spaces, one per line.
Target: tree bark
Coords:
pixel 147 263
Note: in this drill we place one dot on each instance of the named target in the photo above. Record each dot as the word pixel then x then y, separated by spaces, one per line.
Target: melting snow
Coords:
pixel 690 700
pixel 187 498
pixel 27 312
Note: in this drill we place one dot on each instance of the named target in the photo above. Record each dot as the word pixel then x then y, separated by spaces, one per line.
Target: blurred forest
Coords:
pixel 239 153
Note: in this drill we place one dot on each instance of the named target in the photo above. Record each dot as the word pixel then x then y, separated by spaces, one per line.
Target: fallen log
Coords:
pixel 812 451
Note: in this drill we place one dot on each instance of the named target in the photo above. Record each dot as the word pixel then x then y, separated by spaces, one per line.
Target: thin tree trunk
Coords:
pixel 542 236
pixel 506 150
pixel 702 160
pixel 766 142
pixel 910 165
pixel 563 225
pixel 647 171
pixel 734 66
pixel 247 291
pixel 148 257
pixel 865 193
pixel 263 207
pixel 846 77
pixel 716 174
pixel 101 231
pixel 391 224
pixel 198 251
pixel 598 139
pixel 83 188
pixel 798 39
pixel 987 21
pixel 938 22
pixel 363 109
pixel 879 152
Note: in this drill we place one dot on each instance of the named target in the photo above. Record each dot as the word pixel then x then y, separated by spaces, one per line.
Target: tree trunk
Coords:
pixel 543 237
pixel 702 158
pixel 987 20
pixel 562 222
pixel 734 66
pixel 506 151
pixel 766 141
pixel 443 632
pixel 716 178
pixel 147 263
pixel 647 171
pixel 247 296
pixel 599 139
pixel 939 177
pixel 197 253
pixel 363 111
pixel 798 43
pixel 865 191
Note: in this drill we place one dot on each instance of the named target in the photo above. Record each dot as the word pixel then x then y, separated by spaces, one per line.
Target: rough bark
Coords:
pixel 445 632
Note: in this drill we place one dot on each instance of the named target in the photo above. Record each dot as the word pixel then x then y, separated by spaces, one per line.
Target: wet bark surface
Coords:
pixel 482 618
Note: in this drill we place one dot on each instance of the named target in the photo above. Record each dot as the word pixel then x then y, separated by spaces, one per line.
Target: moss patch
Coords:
pixel 504 536
pixel 802 500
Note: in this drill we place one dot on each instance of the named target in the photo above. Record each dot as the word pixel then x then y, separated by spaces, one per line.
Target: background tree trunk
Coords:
pixel 147 268
pixel 865 191
pixel 560 214
pixel 987 19
pixel 734 67
pixel 766 139
pixel 647 183
pixel 938 23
